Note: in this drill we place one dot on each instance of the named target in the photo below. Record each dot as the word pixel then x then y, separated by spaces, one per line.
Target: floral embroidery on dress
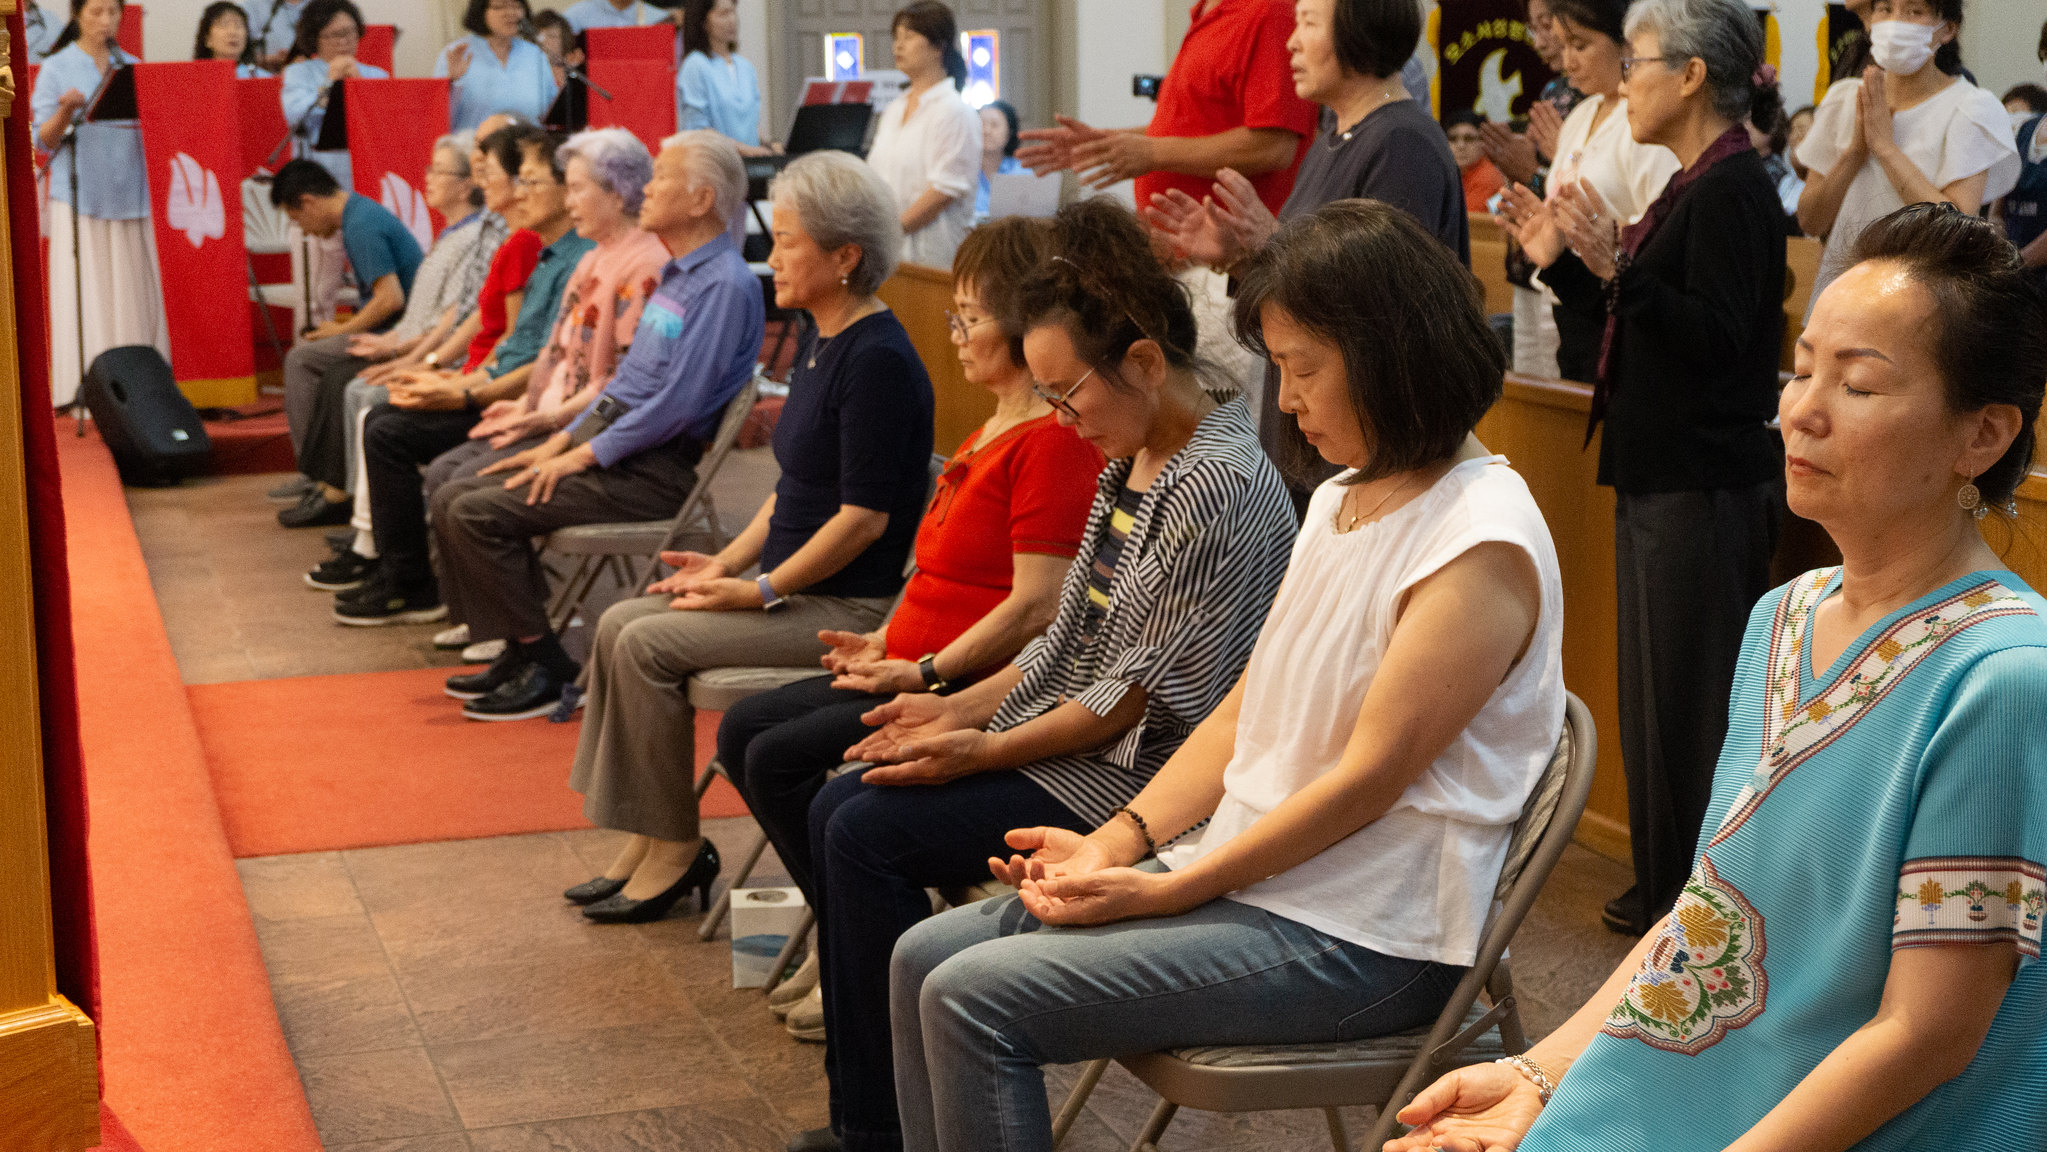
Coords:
pixel 1792 732
pixel 1703 976
pixel 1970 900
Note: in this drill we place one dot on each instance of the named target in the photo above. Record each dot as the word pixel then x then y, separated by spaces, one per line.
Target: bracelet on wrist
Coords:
pixel 1151 846
pixel 1534 1073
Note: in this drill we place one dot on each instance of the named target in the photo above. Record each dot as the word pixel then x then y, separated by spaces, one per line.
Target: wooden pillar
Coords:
pixel 49 1060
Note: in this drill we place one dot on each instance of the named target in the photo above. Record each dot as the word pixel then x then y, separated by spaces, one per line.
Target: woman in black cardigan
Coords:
pixel 1688 377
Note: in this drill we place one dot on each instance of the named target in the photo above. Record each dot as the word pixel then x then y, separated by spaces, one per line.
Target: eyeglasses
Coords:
pixel 340 36
pixel 525 185
pixel 961 326
pixel 450 173
pixel 1059 399
pixel 1628 62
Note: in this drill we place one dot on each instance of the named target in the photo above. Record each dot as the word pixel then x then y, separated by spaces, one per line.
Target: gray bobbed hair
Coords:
pixel 840 201
pixel 616 159
pixel 1724 34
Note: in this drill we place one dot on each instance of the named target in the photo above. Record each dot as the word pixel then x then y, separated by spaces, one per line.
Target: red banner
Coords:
pixel 637 66
pixel 195 198
pixel 129 37
pixel 392 126
pixel 378 45
pixel 263 126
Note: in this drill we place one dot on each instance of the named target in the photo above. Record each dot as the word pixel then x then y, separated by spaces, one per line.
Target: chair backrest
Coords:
pixel 937 467
pixel 729 425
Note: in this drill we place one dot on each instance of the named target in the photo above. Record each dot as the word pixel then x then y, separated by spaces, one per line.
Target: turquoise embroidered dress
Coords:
pixel 1896 800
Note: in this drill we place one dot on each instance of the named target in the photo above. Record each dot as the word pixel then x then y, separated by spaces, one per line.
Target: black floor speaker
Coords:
pixel 152 430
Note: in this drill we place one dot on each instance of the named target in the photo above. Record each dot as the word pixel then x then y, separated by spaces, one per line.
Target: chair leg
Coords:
pixel 1338 1138
pixel 1077 1099
pixel 724 904
pixel 788 953
pixel 704 779
pixel 1156 1126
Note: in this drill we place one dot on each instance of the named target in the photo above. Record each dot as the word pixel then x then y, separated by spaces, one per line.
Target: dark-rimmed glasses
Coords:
pixel 1059 399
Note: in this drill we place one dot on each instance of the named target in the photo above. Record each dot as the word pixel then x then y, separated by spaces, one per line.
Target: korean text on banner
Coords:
pixel 195 199
pixel 637 66
pixel 1485 60
pixel 392 126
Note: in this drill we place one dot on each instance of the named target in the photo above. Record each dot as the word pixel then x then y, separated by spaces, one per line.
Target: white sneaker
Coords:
pixel 450 639
pixel 482 652
pixel 806 1020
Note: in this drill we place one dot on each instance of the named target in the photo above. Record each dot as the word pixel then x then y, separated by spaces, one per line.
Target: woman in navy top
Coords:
pixel 115 265
pixel 716 87
pixel 494 68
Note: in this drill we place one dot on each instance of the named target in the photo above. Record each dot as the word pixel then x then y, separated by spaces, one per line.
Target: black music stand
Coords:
pixel 570 111
pixel 113 100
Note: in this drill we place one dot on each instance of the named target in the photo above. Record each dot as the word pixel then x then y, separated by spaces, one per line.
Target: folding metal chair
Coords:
pixel 1385 1071
pixel 631 552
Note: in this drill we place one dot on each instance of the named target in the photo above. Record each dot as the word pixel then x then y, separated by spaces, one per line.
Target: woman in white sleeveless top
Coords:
pixel 1358 786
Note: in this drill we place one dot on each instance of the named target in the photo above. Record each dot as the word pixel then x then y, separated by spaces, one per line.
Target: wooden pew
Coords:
pixel 1489 263
pixel 920 296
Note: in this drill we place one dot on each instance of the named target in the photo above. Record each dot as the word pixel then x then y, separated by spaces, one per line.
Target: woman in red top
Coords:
pixel 992 551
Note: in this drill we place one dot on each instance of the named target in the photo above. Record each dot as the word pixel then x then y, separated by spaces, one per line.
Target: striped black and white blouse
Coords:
pixel 1195 577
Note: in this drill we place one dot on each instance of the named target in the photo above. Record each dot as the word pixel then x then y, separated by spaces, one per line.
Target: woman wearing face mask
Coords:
pixel 1906 133
pixel 2024 212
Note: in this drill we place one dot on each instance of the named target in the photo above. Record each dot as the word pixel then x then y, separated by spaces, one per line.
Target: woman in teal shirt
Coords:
pixel 494 68
pixel 716 87
pixel 1854 962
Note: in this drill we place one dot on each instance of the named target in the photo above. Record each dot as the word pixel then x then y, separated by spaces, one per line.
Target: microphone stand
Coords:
pixel 116 61
pixel 569 70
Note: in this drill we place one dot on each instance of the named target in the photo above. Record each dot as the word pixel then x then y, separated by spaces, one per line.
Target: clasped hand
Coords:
pixel 1219 230
pixel 1073 879
pixel 921 739
pixel 1577 218
pixel 702 583
pixel 544 466
pixel 860 663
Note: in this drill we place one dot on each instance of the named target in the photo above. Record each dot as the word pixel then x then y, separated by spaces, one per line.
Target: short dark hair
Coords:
pixel 1990 338
pixel 1605 17
pixel 209 18
pixel 1009 117
pixel 1376 37
pixel 1949 58
pixel 1471 116
pixel 935 22
pixel 506 146
pixel 545 147
pixel 299 179
pixel 472 17
pixel 1422 363
pixel 996 259
pixel 1102 281
pixel 305 41
pixel 2032 95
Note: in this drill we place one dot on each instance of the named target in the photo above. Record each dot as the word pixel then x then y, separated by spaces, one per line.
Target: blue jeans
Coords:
pixel 984 996
pixel 875 849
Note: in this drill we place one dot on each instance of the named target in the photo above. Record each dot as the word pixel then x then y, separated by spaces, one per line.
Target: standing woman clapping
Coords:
pixel 114 267
pixel 495 68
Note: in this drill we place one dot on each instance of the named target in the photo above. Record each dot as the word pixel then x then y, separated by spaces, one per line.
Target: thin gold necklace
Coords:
pixel 1336 521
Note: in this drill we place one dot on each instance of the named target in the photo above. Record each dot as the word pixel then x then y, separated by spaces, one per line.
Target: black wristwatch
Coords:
pixel 469 403
pixel 928 669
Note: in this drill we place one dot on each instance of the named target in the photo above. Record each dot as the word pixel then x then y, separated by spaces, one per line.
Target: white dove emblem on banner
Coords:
pixel 193 204
pixel 410 208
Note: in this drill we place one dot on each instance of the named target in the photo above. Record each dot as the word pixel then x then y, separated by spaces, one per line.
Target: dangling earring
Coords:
pixel 1971 499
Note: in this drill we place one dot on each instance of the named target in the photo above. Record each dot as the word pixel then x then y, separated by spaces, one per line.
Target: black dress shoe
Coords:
pixel 477 685
pixel 702 872
pixel 591 891
pixel 815 1140
pixel 533 691
pixel 316 511
pixel 1625 915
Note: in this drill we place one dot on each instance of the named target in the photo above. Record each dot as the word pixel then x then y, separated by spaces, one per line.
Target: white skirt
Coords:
pixel 123 299
pixel 1535 333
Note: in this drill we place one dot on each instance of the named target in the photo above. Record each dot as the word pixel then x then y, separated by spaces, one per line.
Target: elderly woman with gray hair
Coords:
pixel 853 442
pixel 1692 294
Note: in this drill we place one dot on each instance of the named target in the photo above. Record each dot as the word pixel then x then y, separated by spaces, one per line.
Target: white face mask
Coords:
pixel 2019 118
pixel 1901 47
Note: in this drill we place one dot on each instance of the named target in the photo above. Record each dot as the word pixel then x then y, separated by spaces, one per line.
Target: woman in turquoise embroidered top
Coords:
pixel 1854 962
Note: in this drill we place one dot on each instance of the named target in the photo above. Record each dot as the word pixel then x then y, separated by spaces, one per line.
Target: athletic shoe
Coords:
pixel 291 491
pixel 805 1020
pixel 341 572
pixel 531 693
pixel 316 511
pixel 381 600
pixel 450 639
pixel 477 685
pixel 483 651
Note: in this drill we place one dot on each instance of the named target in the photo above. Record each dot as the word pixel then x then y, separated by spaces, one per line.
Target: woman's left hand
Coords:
pixel 723 594
pixel 1588 227
pixel 880 676
pixel 1875 109
pixel 935 759
pixel 1102 897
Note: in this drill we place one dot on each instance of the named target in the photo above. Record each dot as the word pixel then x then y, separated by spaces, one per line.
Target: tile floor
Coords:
pixel 443 998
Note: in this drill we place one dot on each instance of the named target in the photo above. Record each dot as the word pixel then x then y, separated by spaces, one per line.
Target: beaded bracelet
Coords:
pixel 1544 1086
pixel 1151 846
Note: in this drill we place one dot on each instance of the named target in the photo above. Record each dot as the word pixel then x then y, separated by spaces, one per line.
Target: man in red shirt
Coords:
pixel 1227 102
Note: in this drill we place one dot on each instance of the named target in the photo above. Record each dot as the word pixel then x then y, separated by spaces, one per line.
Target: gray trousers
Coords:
pixel 1690 566
pixel 356 401
pixel 316 372
pixel 636 756
pixel 489 570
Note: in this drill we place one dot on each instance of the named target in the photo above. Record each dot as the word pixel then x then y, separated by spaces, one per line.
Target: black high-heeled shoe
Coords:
pixel 701 874
pixel 591 891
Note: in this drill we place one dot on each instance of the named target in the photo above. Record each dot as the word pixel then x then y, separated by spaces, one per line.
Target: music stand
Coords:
pixel 830 127
pixel 334 129
pixel 113 100
pixel 570 111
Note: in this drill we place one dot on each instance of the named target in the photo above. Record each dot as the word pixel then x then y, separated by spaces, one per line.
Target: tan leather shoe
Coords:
pixel 791 992
pixel 806 1020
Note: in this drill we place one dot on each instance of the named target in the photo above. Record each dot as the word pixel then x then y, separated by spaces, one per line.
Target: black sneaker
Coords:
pixel 533 692
pixel 343 571
pixel 316 511
pixel 382 600
pixel 476 685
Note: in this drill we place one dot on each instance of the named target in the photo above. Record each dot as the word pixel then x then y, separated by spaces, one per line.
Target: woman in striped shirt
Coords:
pixel 1183 551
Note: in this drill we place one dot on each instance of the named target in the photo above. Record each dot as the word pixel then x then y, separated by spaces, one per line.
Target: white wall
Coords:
pixel 2000 42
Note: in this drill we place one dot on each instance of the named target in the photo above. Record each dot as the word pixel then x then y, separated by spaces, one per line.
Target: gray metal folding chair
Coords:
pixel 717 689
pixel 1385 1071
pixel 631 552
